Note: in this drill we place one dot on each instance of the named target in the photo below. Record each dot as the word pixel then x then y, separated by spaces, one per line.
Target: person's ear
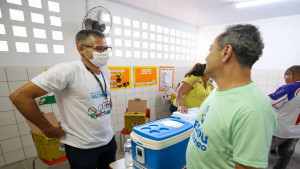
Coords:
pixel 227 52
pixel 80 49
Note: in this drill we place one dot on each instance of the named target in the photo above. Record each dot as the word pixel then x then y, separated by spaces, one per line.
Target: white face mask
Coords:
pixel 99 59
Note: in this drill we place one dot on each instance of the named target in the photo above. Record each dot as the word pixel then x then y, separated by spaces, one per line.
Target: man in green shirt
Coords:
pixel 236 122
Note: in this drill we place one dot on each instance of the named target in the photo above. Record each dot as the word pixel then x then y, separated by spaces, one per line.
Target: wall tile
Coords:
pixel 273 81
pixel 152 88
pixel 129 97
pixel 120 126
pixel 14 156
pixel 2 162
pixel 5 104
pixel 145 89
pixel 10 145
pixel 7 118
pixel 138 90
pixel 13 86
pixel 114 119
pixel 30 152
pixel 4 90
pixel 9 131
pixel 33 71
pixel 2 75
pixel 121 109
pixel 121 100
pixel 114 101
pixel 146 96
pixel 113 92
pixel 129 91
pixel 16 73
pixel 120 92
pixel 24 129
pixel 263 73
pixel 274 73
pixel 20 118
pixel 120 118
pixel 138 95
pixel 27 141
pixel 113 111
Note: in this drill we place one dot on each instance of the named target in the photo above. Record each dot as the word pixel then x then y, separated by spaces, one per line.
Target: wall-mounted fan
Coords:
pixel 98 18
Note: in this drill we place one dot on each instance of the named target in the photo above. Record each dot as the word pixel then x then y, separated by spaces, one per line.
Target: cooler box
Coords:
pixel 160 144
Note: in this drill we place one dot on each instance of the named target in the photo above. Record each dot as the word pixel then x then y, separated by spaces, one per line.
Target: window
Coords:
pixel 3 46
pixel 37 18
pixel 19 31
pixel 39 33
pixel 55 21
pixel 2 29
pixel 53 6
pixel 41 48
pixel 17 2
pixel 35 3
pixel 16 15
pixel 22 47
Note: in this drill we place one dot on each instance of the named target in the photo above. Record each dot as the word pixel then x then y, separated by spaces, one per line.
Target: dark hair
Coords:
pixel 83 36
pixel 246 41
pixel 197 70
pixel 293 69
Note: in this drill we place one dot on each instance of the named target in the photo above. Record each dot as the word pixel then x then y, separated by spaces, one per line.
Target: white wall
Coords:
pixel 281 37
pixel 72 13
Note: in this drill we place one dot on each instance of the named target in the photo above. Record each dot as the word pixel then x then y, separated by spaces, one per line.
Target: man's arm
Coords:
pixel 240 166
pixel 24 99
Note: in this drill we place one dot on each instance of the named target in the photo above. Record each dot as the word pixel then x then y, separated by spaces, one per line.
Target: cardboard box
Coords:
pixel 49 149
pixel 136 114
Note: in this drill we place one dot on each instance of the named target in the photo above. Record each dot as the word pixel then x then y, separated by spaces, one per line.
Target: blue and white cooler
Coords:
pixel 160 144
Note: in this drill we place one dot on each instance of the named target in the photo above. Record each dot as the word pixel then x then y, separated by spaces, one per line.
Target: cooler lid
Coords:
pixel 162 129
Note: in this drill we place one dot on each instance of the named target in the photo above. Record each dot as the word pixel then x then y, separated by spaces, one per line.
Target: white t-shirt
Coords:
pixel 85 113
pixel 286 103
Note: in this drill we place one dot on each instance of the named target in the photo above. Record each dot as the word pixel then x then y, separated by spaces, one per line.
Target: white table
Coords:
pixel 119 164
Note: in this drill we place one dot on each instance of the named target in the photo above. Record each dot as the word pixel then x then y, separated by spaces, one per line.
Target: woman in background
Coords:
pixel 193 90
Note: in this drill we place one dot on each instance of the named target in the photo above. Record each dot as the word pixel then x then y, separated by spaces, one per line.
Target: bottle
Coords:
pixel 128 153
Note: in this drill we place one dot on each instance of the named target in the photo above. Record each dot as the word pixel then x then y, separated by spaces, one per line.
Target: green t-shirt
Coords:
pixel 197 94
pixel 232 126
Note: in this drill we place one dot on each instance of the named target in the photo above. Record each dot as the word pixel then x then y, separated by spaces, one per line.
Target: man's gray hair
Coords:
pixel 293 69
pixel 83 36
pixel 246 41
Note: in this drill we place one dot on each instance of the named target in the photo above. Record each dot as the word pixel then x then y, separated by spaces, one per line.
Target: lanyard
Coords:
pixel 105 93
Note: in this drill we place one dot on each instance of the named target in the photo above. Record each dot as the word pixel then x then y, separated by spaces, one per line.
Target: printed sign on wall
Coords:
pixel 166 77
pixel 120 77
pixel 145 76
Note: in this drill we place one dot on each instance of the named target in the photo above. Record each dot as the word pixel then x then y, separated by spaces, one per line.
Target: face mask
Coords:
pixel 99 59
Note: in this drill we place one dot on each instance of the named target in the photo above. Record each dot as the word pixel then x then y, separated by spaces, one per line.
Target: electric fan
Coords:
pixel 98 18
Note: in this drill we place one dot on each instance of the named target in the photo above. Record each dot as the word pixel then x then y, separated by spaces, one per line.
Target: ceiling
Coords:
pixel 212 12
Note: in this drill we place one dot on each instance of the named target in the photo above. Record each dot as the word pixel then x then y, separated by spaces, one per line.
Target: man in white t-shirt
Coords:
pixel 286 103
pixel 82 92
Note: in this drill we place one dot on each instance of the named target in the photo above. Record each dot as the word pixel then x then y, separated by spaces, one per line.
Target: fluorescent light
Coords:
pixel 253 3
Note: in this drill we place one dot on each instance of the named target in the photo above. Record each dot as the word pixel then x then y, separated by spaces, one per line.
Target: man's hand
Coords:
pixel 182 109
pixel 54 132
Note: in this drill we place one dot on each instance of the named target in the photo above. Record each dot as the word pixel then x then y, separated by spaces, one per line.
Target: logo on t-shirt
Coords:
pixel 103 109
pixel 199 138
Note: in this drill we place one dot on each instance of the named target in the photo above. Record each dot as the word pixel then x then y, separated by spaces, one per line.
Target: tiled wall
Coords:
pixel 15 140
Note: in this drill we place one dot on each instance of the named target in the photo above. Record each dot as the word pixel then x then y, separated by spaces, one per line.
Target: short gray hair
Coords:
pixel 83 36
pixel 246 41
pixel 293 69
